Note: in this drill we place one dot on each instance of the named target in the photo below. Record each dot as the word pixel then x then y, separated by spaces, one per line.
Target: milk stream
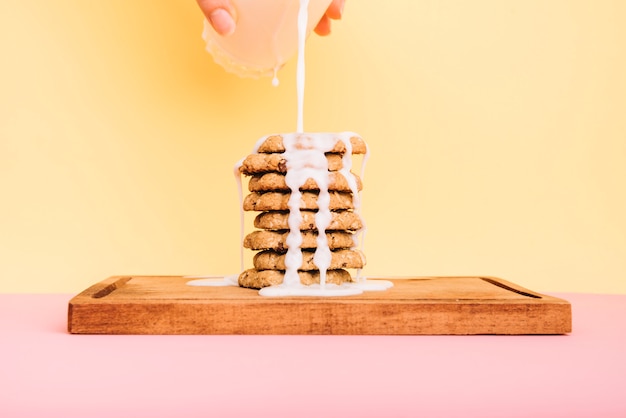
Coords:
pixel 275 80
pixel 303 18
pixel 305 156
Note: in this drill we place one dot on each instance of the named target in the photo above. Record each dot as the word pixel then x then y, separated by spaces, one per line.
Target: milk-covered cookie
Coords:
pixel 280 201
pixel 265 163
pixel 276 182
pixel 257 279
pixel 277 240
pixel 273 260
pixel 275 144
pixel 339 221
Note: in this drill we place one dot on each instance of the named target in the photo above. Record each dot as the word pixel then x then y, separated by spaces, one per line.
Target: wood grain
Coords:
pixel 414 306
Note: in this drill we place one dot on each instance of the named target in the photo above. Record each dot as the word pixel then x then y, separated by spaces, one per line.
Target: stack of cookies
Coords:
pixel 326 196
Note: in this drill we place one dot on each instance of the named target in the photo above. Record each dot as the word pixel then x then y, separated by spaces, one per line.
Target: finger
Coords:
pixel 220 14
pixel 323 27
pixel 335 10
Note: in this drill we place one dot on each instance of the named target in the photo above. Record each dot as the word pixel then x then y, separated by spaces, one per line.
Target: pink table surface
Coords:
pixel 46 372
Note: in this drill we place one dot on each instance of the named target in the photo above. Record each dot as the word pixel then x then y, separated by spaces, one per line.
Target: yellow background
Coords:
pixel 497 130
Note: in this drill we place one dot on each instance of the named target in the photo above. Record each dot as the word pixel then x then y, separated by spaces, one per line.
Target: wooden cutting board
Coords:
pixel 420 305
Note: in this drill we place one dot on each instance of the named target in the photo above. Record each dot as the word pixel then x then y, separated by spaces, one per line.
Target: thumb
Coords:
pixel 221 15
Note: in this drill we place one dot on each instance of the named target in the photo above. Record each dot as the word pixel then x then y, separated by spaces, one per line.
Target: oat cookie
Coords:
pixel 272 260
pixel 344 220
pixel 257 279
pixel 276 182
pixel 266 163
pixel 274 240
pixel 274 144
pixel 280 201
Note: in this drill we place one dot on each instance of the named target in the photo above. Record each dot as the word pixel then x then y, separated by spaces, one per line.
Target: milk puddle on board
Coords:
pixel 346 289
pixel 305 156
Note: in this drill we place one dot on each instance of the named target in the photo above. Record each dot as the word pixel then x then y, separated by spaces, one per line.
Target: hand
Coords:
pixel 222 16
pixel 334 12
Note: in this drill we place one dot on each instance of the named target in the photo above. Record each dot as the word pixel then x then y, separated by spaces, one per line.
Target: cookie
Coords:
pixel 340 221
pixel 272 260
pixel 266 163
pixel 274 144
pixel 276 182
pixel 257 279
pixel 280 201
pixel 273 240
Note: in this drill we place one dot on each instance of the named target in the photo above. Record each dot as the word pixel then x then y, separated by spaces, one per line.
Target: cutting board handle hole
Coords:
pixel 108 289
pixel 511 289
